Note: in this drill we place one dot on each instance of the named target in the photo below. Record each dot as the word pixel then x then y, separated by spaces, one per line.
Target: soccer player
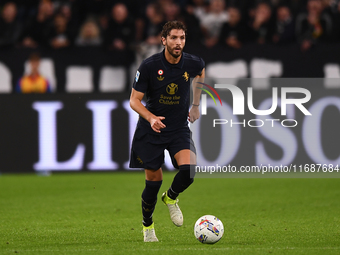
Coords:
pixel 163 122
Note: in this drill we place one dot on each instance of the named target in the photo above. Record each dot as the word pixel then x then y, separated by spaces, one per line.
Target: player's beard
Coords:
pixel 173 53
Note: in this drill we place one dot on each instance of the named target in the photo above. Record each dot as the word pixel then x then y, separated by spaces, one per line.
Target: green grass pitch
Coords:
pixel 99 213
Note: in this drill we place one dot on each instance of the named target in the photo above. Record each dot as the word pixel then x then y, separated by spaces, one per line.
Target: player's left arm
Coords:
pixel 194 112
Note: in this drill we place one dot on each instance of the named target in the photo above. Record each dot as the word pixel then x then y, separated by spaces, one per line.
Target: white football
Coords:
pixel 208 229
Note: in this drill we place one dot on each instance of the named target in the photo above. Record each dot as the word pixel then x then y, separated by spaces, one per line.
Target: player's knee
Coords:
pixel 154 175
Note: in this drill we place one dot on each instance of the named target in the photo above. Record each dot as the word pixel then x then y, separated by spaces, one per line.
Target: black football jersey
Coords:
pixel 167 88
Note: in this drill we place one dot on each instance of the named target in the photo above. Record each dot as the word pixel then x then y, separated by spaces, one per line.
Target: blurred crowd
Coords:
pixel 131 25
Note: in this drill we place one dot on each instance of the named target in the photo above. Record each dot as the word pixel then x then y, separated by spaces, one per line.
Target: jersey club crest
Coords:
pixel 186 76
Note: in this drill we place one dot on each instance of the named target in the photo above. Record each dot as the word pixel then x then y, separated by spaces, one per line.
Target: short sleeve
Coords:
pixel 202 63
pixel 141 81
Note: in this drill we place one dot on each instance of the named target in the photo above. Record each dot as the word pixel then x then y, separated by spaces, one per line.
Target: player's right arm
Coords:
pixel 136 104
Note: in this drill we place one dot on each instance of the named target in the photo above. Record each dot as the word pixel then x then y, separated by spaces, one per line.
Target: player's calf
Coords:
pixel 149 200
pixel 181 182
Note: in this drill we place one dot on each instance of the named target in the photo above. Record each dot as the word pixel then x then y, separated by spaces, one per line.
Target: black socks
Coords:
pixel 149 199
pixel 180 183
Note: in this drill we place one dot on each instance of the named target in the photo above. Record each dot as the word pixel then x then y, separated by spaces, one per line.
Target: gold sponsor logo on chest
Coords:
pixel 172 88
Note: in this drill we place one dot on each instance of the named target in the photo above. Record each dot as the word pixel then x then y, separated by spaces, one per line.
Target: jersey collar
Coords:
pixel 167 65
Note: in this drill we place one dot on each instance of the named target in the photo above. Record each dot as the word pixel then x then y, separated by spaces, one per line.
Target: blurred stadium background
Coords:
pixel 88 52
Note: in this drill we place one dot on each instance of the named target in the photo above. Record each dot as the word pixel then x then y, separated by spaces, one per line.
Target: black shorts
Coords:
pixel 147 150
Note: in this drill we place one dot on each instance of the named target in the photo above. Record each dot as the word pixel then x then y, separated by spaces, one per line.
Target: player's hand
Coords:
pixel 157 124
pixel 194 114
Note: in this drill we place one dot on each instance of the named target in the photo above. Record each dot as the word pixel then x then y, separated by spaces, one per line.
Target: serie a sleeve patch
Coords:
pixel 137 76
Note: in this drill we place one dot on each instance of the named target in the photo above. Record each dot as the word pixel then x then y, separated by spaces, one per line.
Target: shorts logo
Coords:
pixel 140 161
pixel 160 72
pixel 172 88
pixel 137 76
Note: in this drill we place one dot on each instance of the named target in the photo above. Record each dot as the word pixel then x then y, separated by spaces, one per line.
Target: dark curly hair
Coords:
pixel 173 25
